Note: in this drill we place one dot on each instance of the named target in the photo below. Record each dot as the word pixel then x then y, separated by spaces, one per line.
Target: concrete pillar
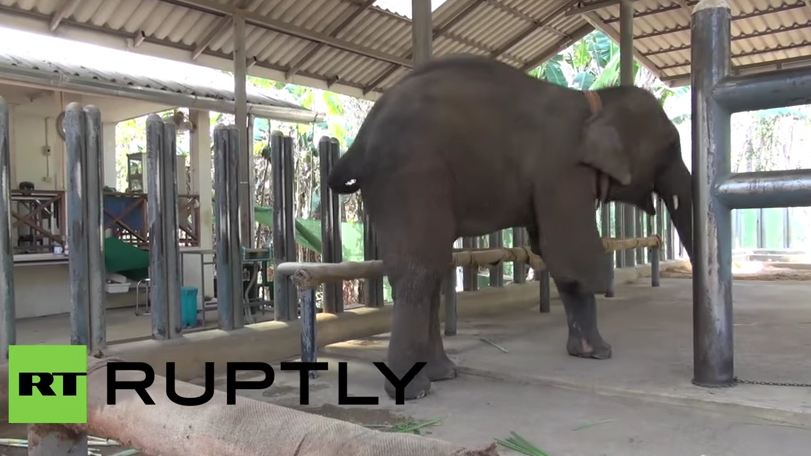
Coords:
pixel 201 183
pixel 421 30
pixel 108 143
pixel 245 193
pixel 630 213
pixel 200 162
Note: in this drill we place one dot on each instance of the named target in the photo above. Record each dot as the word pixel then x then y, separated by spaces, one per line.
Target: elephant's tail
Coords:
pixel 345 175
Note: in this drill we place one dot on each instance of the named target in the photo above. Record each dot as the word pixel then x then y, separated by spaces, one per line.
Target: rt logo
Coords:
pixel 47 384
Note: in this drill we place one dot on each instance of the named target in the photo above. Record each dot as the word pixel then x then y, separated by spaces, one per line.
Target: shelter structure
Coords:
pixel 735 56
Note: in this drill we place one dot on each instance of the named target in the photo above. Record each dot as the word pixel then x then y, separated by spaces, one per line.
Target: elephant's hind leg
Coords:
pixel 439 367
pixel 584 340
pixel 416 238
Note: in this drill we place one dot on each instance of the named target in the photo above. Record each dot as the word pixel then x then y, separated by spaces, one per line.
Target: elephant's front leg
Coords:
pixel 581 315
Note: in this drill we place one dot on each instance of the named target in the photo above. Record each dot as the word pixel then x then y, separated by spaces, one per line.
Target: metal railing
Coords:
pixel 306 277
pixel 717 93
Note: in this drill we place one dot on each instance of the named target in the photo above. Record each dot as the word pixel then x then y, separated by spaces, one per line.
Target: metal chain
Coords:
pixel 768 383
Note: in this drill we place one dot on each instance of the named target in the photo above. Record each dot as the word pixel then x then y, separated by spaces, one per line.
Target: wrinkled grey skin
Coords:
pixel 464 146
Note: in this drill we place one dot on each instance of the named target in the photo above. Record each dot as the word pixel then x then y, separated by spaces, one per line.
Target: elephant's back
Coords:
pixel 470 109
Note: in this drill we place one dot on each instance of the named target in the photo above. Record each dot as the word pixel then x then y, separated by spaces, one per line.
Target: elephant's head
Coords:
pixel 636 149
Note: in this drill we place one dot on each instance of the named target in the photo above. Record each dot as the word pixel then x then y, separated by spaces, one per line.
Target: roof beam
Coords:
pixel 455 19
pixel 595 20
pixel 540 23
pixel 67 8
pixel 559 46
pixel 598 5
pixel 223 25
pixel 268 23
pixel 334 29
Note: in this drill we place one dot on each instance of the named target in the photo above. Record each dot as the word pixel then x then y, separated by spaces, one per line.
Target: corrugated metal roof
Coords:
pixel 87 67
pixel 354 47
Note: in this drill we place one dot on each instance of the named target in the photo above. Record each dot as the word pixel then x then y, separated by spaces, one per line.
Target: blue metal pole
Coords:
pixel 75 139
pixel 95 228
pixel 713 358
pixel 8 332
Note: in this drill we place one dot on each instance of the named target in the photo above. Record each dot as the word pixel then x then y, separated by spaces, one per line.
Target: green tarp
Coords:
pixel 124 259
pixel 308 234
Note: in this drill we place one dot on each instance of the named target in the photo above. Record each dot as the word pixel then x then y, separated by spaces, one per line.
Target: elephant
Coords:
pixel 465 146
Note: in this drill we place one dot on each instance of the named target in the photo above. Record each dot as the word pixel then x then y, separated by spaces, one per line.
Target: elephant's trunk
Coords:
pixel 675 187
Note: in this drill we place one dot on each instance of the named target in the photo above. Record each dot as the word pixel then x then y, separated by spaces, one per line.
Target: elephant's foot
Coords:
pixel 416 389
pixel 441 369
pixel 593 347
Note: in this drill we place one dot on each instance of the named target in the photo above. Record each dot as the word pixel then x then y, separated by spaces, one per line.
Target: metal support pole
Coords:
pixel 519 267
pixel 470 274
pixel 786 228
pixel 86 261
pixel 328 151
pixel 373 287
pixel 95 224
pixel 496 241
pixel 627 79
pixel 245 161
pixel 629 213
pixel 660 226
pixel 653 254
pixel 8 330
pixel 228 253
pixel 546 295
pixel 605 222
pixel 669 235
pixel 712 279
pixel 78 226
pixel 164 269
pixel 449 290
pixel 641 220
pixel 626 43
pixel 284 242
pixel 308 347
pixel 421 30
pixel 619 231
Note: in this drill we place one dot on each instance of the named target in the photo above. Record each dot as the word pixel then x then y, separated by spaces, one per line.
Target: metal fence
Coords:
pixel 717 93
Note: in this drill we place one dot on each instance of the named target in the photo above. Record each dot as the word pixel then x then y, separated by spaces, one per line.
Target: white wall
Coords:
pixel 27 157
pixel 44 289
pixel 41 290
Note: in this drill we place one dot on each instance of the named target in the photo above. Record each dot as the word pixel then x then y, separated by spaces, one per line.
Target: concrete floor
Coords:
pixel 122 326
pixel 640 402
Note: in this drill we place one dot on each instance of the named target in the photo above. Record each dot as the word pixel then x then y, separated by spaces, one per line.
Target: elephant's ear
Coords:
pixel 602 149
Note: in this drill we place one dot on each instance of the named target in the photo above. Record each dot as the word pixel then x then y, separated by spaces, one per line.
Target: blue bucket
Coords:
pixel 188 306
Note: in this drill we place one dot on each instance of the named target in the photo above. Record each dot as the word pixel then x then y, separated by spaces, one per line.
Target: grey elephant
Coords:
pixel 464 146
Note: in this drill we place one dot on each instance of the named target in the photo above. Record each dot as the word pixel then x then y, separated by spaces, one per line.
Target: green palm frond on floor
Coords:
pixel 521 445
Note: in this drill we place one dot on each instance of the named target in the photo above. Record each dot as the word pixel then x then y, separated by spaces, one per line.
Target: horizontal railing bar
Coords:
pixel 766 189
pixel 773 89
pixel 311 275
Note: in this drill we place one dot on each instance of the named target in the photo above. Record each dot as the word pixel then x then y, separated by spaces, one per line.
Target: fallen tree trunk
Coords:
pixel 247 428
